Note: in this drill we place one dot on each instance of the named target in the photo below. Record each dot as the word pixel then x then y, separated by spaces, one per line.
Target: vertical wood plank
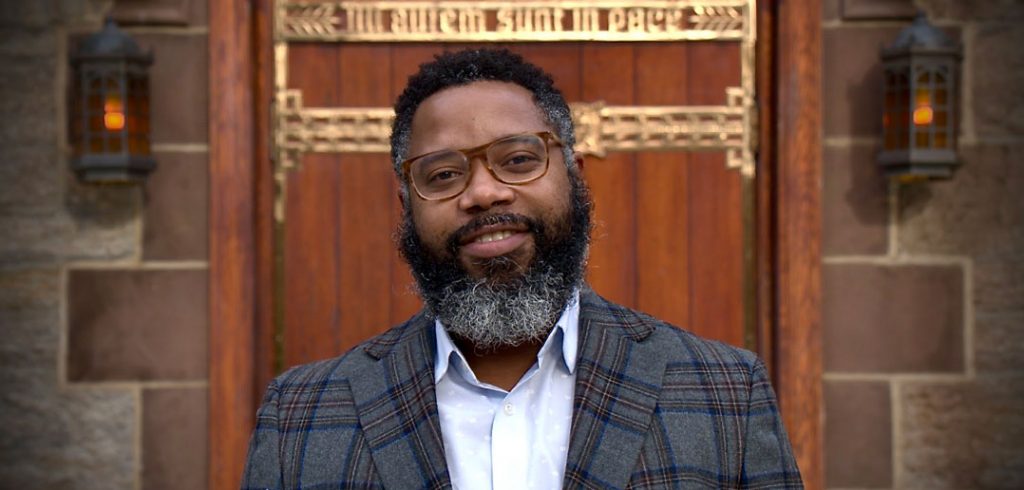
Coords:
pixel 312 323
pixel 364 203
pixel 663 248
pixel 715 237
pixel 311 247
pixel 608 75
pixel 798 178
pixel 265 329
pixel 765 184
pixel 715 209
pixel 231 240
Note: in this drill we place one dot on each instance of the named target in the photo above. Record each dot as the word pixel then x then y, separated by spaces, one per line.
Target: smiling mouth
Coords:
pixel 491 228
pixel 493 237
pixel 488 237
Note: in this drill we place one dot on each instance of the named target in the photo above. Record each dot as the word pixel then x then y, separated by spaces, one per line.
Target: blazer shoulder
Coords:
pixel 687 346
pixel 351 363
pixel 678 344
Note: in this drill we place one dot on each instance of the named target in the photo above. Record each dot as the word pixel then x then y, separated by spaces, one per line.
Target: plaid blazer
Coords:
pixel 655 407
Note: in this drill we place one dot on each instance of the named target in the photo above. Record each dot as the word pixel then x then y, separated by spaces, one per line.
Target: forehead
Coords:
pixel 474 114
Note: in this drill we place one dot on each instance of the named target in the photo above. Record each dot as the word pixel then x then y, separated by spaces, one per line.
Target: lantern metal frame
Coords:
pixel 921 104
pixel 109 120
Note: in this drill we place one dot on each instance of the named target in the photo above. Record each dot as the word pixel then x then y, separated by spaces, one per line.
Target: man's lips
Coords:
pixel 493 240
pixel 491 233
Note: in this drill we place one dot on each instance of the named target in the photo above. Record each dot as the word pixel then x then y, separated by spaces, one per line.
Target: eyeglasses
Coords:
pixel 512 160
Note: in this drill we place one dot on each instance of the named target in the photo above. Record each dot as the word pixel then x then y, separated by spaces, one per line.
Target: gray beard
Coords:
pixel 509 306
pixel 491 316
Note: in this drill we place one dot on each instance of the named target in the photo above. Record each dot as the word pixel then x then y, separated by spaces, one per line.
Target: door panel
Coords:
pixel 668 235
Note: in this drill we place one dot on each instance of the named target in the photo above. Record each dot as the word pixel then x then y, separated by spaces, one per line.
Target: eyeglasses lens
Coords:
pixel 513 160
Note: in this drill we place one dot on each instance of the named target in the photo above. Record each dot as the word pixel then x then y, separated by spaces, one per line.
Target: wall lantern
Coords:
pixel 919 122
pixel 110 109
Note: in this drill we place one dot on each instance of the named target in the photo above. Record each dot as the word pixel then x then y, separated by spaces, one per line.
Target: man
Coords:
pixel 515 375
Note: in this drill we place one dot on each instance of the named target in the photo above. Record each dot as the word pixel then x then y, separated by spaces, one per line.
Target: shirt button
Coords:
pixel 509 409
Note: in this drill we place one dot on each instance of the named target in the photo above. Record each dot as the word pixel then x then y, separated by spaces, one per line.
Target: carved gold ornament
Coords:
pixel 469 21
pixel 599 128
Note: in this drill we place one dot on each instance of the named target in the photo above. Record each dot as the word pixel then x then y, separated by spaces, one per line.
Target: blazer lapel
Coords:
pixel 618 380
pixel 397 408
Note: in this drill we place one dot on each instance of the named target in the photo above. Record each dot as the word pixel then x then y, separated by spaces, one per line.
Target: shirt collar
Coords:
pixel 568 324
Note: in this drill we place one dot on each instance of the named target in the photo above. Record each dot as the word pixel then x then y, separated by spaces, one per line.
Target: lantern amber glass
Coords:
pixel 113 113
pixel 923 116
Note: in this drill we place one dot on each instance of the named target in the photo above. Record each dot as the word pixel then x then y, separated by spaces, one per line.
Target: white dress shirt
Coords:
pixel 509 439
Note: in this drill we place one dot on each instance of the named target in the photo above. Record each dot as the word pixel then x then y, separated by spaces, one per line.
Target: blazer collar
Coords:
pixel 618 381
pixel 397 407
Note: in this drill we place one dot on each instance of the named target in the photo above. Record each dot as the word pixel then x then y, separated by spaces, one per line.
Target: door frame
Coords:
pixel 241 256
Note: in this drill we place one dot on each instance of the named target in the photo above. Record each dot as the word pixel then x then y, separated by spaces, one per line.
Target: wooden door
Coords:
pixel 256 231
pixel 669 234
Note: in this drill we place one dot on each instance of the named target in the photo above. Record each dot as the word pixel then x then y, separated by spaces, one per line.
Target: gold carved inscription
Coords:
pixel 598 20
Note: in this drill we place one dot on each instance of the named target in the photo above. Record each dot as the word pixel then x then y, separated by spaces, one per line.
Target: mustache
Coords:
pixel 455 239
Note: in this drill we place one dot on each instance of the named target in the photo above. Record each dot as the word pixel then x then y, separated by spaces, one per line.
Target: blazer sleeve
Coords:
pixel 263 464
pixel 768 460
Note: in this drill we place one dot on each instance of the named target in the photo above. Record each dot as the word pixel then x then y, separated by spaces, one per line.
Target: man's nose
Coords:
pixel 484 191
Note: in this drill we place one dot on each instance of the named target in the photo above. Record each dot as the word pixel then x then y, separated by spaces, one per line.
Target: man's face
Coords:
pixel 491 228
pixel 498 263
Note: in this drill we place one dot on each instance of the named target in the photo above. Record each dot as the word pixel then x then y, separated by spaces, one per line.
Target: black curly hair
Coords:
pixel 451 69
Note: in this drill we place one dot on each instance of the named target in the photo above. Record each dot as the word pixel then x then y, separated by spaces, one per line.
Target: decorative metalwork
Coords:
pixel 505 21
pixel 599 128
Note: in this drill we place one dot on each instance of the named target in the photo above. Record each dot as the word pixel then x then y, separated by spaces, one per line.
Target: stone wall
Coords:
pixel 103 301
pixel 924 284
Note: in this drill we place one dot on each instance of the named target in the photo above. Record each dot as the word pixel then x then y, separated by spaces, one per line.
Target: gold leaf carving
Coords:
pixel 311 19
pixel 717 19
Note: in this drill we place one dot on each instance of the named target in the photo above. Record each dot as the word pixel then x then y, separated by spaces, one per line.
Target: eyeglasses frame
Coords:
pixel 470 153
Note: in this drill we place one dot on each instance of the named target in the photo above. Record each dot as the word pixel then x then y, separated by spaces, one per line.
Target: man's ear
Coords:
pixel 578 158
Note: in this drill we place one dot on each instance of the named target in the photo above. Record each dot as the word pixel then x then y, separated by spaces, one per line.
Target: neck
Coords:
pixel 503 367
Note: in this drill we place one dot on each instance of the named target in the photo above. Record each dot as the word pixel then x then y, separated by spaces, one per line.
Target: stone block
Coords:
pixel 45 239
pixel 999 343
pixel 878 9
pixel 29 289
pixel 999 285
pixel 858 434
pixel 103 221
pixel 977 213
pixel 80 439
pixel 963 435
pixel 28 355
pixel 830 10
pixel 91 222
pixel 30 179
pixel 973 10
pixel 20 43
pixel 29 316
pixel 997 65
pixel 852 79
pixel 174 223
pixel 178 85
pixel 32 239
pixel 29 101
pixel 84 12
pixel 174 438
pixel 137 325
pixel 160 12
pixel 890 319
pixel 27 14
pixel 855 202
